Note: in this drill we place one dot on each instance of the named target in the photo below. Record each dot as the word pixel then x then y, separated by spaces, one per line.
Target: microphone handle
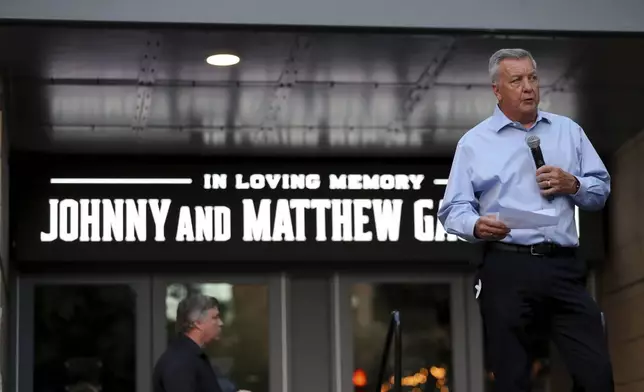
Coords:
pixel 538 157
pixel 539 161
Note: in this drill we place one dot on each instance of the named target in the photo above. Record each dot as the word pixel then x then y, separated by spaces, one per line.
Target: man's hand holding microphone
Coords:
pixel 551 180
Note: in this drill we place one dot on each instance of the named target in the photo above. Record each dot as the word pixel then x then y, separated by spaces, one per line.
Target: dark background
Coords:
pixel 30 191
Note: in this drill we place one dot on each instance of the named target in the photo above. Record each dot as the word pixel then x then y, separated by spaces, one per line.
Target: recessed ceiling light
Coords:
pixel 222 60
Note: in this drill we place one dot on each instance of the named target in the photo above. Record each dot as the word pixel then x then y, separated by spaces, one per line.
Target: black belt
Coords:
pixel 542 249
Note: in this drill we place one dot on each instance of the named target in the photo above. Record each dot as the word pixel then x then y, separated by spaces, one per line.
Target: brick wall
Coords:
pixel 621 279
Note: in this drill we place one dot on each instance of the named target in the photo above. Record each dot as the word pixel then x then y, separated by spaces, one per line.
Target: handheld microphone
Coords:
pixel 534 143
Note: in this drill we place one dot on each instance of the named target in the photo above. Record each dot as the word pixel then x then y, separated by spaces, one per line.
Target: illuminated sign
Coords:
pixel 230 210
pixel 340 219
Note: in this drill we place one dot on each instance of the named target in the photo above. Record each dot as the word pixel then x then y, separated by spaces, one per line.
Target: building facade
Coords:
pixel 299 187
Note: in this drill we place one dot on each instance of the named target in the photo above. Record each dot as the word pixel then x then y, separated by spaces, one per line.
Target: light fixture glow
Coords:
pixel 222 60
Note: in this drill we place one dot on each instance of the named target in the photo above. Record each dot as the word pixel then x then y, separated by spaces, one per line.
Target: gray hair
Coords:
pixel 191 309
pixel 503 54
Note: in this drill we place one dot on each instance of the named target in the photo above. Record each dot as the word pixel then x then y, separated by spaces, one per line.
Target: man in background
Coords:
pixel 184 366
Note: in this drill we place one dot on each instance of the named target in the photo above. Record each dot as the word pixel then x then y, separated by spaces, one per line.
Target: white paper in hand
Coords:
pixel 518 219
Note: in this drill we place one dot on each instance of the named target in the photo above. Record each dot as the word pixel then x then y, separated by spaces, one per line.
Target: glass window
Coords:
pixel 240 357
pixel 84 338
pixel 426 327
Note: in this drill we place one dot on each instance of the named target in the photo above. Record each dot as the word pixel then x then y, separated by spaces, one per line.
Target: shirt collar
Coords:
pixel 500 120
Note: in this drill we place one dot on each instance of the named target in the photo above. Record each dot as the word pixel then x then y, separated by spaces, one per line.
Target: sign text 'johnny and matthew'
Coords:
pixel 285 219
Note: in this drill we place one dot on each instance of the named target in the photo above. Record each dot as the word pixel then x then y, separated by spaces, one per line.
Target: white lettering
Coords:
pixel 53 222
pixel 204 224
pixel 320 206
pixel 387 219
pixel 185 231
pixel 283 229
pixel 210 224
pixel 138 223
pixel 351 220
pixel 215 181
pixel 360 219
pixel 278 181
pixel 423 224
pixel 69 220
pixel 113 220
pixel 80 220
pixel 159 214
pixel 376 181
pixel 300 206
pixel 426 227
pixel 257 226
pixel 90 219
pixel 341 220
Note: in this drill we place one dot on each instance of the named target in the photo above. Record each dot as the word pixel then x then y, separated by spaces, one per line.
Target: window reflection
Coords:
pixel 240 357
pixel 84 338
pixel 426 328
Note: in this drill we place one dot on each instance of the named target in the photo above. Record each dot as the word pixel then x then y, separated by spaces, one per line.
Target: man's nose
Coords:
pixel 527 85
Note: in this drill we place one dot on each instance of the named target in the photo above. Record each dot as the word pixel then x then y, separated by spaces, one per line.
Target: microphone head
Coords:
pixel 533 141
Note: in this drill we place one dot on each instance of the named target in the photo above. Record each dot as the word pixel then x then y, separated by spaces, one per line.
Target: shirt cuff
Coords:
pixel 468 229
pixel 582 189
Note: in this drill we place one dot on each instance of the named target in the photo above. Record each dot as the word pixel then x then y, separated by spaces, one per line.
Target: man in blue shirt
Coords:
pixel 529 275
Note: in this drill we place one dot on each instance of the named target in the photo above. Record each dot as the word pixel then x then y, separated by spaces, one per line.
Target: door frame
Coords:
pixel 24 326
pixel 277 285
pixel 463 330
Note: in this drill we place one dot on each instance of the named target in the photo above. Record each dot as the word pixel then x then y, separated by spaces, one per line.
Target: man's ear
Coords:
pixel 197 325
pixel 495 90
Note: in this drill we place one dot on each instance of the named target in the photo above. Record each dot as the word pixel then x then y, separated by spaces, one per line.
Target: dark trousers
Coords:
pixel 521 296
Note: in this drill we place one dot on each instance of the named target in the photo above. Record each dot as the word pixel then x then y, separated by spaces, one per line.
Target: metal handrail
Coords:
pixel 393 332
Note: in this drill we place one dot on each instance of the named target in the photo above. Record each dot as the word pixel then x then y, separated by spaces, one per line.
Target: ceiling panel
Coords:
pixel 421 142
pixel 76 105
pixel 350 106
pixel 181 55
pixel 469 62
pixel 74 53
pixel 368 58
pixel 228 106
pixel 451 106
pixel 465 107
pixel 139 90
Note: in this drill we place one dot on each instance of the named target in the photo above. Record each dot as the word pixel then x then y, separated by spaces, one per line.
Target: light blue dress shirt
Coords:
pixel 493 167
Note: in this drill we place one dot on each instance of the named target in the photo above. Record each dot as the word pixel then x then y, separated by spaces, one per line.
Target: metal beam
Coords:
pixel 145 82
pixel 88 128
pixel 425 82
pixel 563 82
pixel 225 84
pixel 285 83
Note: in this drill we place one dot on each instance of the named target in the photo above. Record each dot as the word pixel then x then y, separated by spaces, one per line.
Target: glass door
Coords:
pixel 434 313
pixel 250 355
pixel 83 334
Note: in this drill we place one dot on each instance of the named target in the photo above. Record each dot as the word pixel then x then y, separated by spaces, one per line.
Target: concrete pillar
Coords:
pixel 620 282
